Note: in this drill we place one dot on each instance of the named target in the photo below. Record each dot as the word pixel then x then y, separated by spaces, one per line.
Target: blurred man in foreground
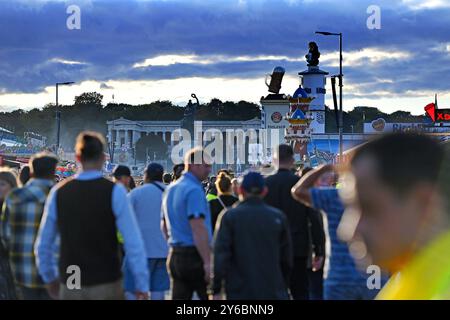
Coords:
pixel 401 209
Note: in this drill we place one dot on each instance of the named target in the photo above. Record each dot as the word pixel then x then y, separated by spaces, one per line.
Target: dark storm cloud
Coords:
pixel 115 35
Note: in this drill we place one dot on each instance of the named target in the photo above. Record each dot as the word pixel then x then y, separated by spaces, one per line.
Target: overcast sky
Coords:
pixel 142 50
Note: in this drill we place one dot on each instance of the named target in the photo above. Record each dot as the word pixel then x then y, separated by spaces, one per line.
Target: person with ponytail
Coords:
pixel 225 197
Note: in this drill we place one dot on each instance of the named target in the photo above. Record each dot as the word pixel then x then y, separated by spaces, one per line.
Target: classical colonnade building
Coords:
pixel 123 134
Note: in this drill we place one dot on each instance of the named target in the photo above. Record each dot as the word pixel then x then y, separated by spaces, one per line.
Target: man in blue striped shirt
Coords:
pixel 344 281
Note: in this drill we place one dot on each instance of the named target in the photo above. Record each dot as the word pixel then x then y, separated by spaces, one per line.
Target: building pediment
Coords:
pixel 121 121
pixel 252 121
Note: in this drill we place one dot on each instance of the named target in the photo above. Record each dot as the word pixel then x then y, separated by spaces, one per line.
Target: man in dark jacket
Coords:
pixel 298 216
pixel 252 249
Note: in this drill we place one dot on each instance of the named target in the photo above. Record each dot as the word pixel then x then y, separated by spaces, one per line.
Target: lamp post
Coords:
pixel 194 111
pixel 341 118
pixel 58 113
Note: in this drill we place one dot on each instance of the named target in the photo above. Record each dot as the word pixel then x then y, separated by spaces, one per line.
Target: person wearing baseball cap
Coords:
pixel 122 174
pixel 146 202
pixel 252 247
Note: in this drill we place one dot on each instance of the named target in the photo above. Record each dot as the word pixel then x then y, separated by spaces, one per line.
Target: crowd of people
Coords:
pixel 291 234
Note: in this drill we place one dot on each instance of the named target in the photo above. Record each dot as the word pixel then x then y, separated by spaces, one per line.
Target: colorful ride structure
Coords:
pixel 298 132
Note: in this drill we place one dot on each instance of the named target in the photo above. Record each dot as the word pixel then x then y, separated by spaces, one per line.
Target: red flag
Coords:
pixel 430 109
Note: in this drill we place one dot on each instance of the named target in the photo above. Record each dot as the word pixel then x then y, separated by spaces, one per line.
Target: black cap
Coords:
pixel 121 171
pixel 154 169
pixel 253 182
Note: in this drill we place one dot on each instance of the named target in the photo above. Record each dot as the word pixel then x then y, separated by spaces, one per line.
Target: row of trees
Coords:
pixel 88 112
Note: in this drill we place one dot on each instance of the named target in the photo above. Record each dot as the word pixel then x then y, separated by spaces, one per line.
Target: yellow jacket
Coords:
pixel 426 277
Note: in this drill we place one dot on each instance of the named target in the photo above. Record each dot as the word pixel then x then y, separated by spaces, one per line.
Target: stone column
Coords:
pixel 136 136
pixel 224 147
pixel 127 138
pixel 170 139
pixel 117 138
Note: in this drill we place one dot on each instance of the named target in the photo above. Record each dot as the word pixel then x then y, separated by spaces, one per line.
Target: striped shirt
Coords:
pixel 342 268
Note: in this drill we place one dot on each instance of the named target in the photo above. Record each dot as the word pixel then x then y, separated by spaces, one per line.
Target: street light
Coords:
pixel 341 119
pixel 58 113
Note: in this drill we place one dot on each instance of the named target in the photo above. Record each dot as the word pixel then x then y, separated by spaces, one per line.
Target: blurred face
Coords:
pixel 5 188
pixel 387 224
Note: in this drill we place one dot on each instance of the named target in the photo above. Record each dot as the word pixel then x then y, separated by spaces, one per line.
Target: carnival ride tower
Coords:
pixel 298 133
